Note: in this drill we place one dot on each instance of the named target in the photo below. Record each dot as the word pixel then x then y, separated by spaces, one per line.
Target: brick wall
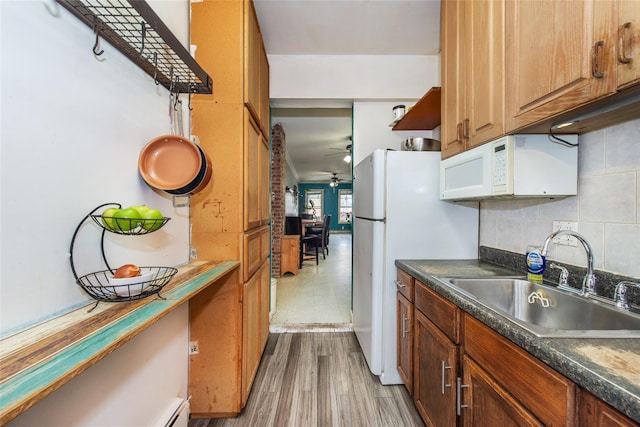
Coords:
pixel 278 181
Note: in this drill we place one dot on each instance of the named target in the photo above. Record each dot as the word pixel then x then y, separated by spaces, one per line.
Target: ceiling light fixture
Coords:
pixel 347 158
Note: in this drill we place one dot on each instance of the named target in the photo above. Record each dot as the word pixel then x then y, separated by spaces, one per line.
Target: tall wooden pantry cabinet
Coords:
pixel 231 218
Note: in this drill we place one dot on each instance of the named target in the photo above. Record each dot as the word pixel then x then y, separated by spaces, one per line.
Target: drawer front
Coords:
pixel 443 313
pixel 252 253
pixel 405 284
pixel 550 396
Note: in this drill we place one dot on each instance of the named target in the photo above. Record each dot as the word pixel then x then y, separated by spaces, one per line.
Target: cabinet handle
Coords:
pixel 465 129
pixel 405 330
pixel 595 72
pixel 622 58
pixel 399 284
pixel 444 367
pixel 460 133
pixel 459 387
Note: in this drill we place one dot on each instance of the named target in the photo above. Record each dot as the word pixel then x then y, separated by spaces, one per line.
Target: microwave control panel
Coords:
pixel 501 166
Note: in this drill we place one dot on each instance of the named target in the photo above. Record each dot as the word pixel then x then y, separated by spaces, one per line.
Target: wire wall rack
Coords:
pixel 137 31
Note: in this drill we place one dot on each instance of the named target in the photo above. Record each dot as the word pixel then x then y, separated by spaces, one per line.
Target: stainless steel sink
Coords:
pixel 547 311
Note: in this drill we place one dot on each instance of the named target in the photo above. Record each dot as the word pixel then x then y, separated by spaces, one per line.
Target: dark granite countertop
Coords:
pixel 608 368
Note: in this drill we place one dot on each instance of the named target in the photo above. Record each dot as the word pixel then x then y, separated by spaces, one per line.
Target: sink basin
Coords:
pixel 547 311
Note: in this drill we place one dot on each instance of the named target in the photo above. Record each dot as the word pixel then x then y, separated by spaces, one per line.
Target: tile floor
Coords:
pixel 319 297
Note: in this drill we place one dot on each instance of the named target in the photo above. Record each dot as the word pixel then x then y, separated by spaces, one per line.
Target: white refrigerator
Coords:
pixel 398 215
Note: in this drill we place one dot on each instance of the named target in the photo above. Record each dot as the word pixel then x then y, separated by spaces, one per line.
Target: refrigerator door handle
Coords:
pixel 372 219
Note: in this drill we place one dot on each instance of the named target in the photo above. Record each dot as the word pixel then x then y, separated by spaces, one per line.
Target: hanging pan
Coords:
pixel 170 162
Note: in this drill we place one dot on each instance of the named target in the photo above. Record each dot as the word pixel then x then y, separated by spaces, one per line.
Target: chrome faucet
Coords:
pixel 589 281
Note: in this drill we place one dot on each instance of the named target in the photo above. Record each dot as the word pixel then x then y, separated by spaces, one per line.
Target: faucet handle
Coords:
pixel 564 274
pixel 620 294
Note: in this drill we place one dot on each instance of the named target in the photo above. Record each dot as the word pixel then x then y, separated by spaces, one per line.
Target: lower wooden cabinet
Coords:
pixel 462 372
pixel 255 325
pixel 405 341
pixel 435 371
pixel 594 412
pixel 483 402
pixel 230 323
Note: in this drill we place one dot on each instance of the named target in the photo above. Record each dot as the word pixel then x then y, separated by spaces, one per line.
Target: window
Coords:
pixel 313 203
pixel 345 207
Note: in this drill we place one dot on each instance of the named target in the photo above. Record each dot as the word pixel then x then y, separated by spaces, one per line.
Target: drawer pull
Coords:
pixel 459 388
pixel 405 330
pixel 622 58
pixel 595 68
pixel 399 284
pixel 444 367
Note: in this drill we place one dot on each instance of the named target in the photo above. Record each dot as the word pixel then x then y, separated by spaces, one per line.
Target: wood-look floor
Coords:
pixel 319 379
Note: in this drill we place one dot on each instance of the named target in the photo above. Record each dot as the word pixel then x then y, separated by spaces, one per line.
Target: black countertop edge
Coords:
pixel 559 353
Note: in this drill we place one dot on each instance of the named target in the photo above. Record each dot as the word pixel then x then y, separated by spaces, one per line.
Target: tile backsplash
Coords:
pixel 606 209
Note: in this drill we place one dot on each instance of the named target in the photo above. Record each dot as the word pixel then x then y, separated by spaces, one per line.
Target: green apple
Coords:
pixel 126 219
pixel 140 208
pixel 152 219
pixel 107 218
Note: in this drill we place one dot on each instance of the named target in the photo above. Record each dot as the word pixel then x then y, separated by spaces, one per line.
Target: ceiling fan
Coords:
pixel 346 152
pixel 335 180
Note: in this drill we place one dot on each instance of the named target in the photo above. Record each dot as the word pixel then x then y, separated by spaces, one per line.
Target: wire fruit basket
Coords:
pixel 101 285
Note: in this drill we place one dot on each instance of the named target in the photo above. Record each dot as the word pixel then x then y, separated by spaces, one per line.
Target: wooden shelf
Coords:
pixel 38 361
pixel 425 115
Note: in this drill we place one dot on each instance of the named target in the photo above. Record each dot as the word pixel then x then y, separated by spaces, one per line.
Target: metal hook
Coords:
pixel 96 45
pixel 191 88
pixel 155 71
pixel 144 33
pixel 175 104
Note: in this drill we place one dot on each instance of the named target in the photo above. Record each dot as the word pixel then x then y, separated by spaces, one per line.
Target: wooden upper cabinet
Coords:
pixel 453 83
pixel 265 181
pixel 484 53
pixel 472 74
pixel 558 57
pixel 252 61
pixel 628 43
pixel 252 166
pixel 265 110
pixel 256 70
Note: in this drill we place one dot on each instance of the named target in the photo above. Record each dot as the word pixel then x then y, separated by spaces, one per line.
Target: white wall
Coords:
pixel 352 77
pixel 72 128
pixel 607 207
pixel 371 128
pixel 374 84
pixel 133 386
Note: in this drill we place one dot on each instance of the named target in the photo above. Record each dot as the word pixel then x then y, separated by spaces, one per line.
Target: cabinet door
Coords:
pixel 252 47
pixel 265 181
pixel 405 341
pixel 265 294
pixel 483 54
pixel 628 47
pixel 252 328
pixel 453 83
pixel 252 172
pixel 558 56
pixel 487 404
pixel 435 369
pixel 265 112
pixel 594 412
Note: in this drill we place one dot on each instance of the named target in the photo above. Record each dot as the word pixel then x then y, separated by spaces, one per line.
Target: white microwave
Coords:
pixel 525 166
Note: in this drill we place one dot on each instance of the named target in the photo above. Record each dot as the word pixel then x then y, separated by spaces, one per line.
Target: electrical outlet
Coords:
pixel 565 240
pixel 193 253
pixel 193 347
